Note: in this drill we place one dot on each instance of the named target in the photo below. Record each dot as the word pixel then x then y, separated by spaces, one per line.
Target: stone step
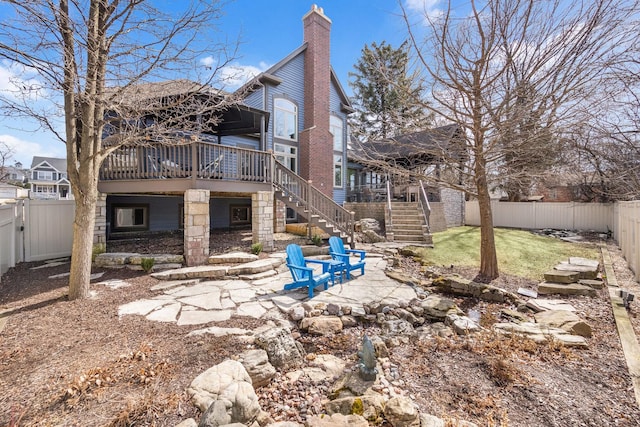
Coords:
pixel 548 288
pixel 558 276
pixel 584 261
pixel 254 267
pixel 406 221
pixel 585 271
pixel 232 258
pixel 594 283
pixel 199 272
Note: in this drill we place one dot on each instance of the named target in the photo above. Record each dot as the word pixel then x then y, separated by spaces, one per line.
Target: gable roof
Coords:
pixel 416 147
pixel 58 164
pixel 268 76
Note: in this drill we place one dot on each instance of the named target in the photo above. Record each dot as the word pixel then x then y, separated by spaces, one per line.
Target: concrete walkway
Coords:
pixel 200 301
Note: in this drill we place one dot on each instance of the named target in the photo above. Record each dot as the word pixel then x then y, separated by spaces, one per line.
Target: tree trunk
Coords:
pixel 488 256
pixel 81 253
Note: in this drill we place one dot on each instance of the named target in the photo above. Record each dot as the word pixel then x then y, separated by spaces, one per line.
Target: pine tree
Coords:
pixel 387 96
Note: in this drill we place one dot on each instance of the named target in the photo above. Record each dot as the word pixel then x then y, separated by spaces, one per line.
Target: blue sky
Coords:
pixel 269 31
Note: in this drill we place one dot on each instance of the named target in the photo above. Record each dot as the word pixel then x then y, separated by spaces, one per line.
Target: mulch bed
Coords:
pixel 76 363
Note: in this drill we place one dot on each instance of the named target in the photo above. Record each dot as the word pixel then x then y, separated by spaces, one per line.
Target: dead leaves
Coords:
pixel 133 368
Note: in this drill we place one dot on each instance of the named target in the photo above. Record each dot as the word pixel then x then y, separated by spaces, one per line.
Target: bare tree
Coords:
pixel 506 63
pixel 6 154
pixel 90 59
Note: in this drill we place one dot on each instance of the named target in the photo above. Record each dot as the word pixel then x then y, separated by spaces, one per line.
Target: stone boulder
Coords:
pixel 397 327
pixel 436 308
pixel 564 319
pixel 540 334
pixel 225 394
pixel 370 406
pixel 281 348
pixel 323 325
pixel 323 367
pixel 337 420
pixel 428 420
pixel 256 362
pixel 547 288
pixel 462 325
pixel 402 412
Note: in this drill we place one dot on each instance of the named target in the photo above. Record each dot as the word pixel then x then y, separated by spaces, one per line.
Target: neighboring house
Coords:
pixel 8 191
pixel 13 174
pixel 48 178
pixel 280 154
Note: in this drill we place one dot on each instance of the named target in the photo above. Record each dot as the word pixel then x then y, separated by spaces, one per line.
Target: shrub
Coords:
pixel 147 264
pixel 317 240
pixel 256 248
pixel 98 249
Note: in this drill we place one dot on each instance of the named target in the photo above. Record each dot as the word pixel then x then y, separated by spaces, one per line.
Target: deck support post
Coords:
pixel 262 219
pixel 196 227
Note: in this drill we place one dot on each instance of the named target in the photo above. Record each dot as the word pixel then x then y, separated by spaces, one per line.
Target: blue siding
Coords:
pixel 219 210
pixel 340 194
pixel 292 86
pixel 241 140
pixel 254 99
pixel 164 212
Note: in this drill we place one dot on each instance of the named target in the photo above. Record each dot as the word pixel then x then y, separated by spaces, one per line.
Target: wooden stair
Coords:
pixel 408 223
pixel 313 219
pixel 306 200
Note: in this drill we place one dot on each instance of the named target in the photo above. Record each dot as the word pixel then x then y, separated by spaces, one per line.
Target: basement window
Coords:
pixel 130 217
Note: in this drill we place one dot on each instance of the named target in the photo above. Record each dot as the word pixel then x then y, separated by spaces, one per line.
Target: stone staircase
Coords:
pixel 408 223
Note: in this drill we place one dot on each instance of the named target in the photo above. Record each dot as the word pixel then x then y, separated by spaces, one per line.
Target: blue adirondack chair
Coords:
pixel 339 253
pixel 302 275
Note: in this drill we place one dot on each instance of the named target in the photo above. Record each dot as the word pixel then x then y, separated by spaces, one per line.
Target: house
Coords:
pixel 278 155
pixel 389 172
pixel 13 174
pixel 48 178
pixel 9 191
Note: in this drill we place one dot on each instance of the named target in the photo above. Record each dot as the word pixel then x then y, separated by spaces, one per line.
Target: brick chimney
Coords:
pixel 316 142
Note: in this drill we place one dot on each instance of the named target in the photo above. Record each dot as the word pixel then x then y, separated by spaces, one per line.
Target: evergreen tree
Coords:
pixel 387 96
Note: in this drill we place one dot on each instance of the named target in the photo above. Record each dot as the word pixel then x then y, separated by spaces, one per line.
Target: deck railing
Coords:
pixel 211 161
pixel 312 200
pixel 205 160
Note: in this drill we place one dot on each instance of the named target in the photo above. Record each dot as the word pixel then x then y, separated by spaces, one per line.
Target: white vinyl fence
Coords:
pixel 533 215
pixel 626 230
pixel 622 219
pixel 10 241
pixel 35 230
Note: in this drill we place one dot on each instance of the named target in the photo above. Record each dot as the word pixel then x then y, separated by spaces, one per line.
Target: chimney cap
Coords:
pixel 316 9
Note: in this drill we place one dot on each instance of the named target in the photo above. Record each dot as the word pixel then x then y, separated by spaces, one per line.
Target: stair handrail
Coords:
pixel 313 200
pixel 389 223
pixel 424 204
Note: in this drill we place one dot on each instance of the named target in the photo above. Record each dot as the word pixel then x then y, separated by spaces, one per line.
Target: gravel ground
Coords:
pixel 52 351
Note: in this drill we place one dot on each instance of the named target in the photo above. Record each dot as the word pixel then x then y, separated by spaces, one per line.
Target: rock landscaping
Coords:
pixel 404 308
pixel 241 351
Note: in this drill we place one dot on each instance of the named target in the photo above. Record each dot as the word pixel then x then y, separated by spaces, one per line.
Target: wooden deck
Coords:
pixel 174 168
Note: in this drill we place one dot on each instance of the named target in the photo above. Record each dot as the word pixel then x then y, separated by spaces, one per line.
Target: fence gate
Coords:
pixel 48 229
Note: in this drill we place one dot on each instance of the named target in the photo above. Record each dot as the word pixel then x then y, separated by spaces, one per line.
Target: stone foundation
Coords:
pixel 196 227
pixel 100 228
pixel 262 219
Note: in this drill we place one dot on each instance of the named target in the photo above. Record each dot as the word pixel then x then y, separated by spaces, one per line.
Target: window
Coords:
pixel 128 217
pixel 285 119
pixel 44 176
pixel 287 155
pixel 335 127
pixel 337 170
pixel 240 214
